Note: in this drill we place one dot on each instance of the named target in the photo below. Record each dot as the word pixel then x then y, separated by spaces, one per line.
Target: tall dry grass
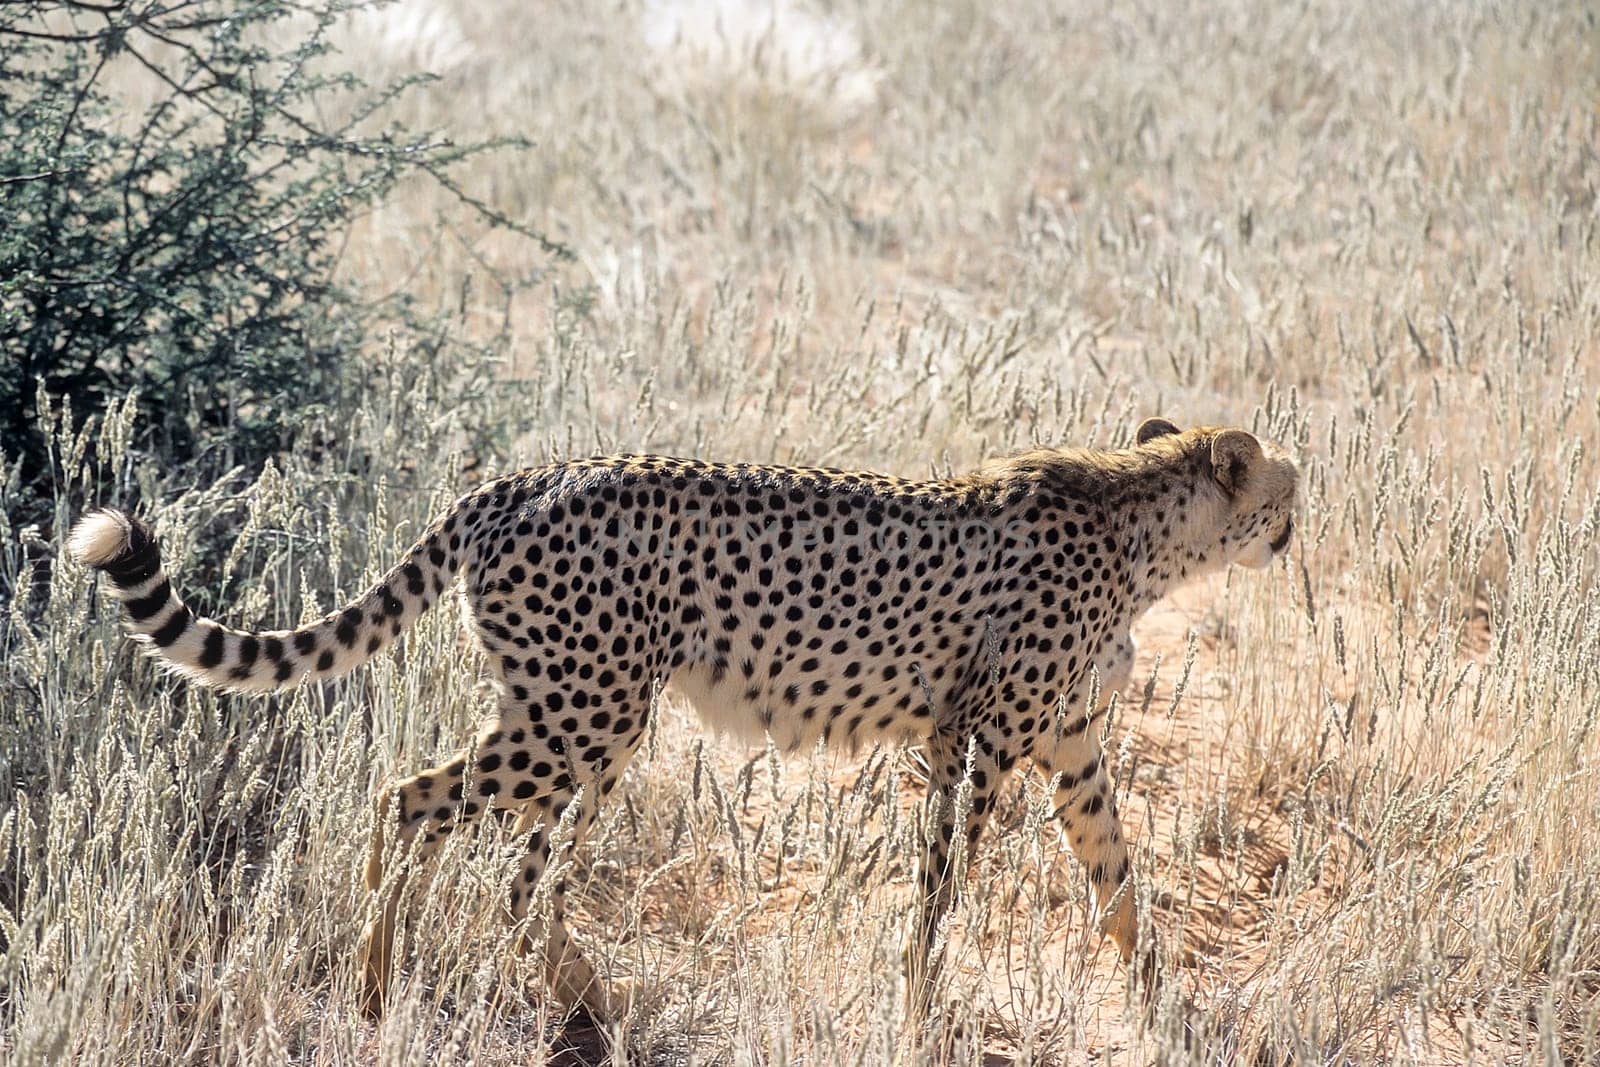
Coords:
pixel 1363 786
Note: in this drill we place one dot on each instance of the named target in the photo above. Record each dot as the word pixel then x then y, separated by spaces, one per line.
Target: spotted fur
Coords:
pixel 973 615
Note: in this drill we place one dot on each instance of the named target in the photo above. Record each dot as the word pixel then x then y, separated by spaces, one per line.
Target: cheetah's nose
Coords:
pixel 1283 539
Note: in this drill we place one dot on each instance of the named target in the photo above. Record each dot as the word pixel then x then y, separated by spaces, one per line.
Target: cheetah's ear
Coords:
pixel 1233 454
pixel 1150 429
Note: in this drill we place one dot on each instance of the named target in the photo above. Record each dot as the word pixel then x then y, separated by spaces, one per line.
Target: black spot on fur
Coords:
pixel 173 628
pixel 211 651
pixel 148 606
pixel 345 632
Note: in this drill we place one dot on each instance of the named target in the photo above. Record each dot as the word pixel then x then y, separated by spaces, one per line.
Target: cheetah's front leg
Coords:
pixel 1084 804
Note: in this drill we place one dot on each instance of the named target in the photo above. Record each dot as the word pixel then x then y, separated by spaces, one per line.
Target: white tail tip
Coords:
pixel 99 538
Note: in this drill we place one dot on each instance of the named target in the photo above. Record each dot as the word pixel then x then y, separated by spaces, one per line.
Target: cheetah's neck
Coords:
pixel 1167 532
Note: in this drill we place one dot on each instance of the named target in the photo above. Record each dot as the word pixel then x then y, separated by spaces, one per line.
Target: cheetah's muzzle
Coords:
pixel 1282 541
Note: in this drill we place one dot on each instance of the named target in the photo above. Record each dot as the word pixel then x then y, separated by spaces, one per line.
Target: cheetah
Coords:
pixel 975 615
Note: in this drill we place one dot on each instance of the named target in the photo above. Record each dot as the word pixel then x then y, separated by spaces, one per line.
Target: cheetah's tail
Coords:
pixel 125 548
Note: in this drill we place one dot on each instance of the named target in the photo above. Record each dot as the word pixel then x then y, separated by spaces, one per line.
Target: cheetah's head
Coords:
pixel 1250 482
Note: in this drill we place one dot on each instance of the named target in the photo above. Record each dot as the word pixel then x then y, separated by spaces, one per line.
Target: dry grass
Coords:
pixel 1364 786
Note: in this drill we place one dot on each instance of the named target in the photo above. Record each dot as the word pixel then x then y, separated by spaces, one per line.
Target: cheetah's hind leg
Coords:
pixel 568 975
pixel 513 764
pixel 420 812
